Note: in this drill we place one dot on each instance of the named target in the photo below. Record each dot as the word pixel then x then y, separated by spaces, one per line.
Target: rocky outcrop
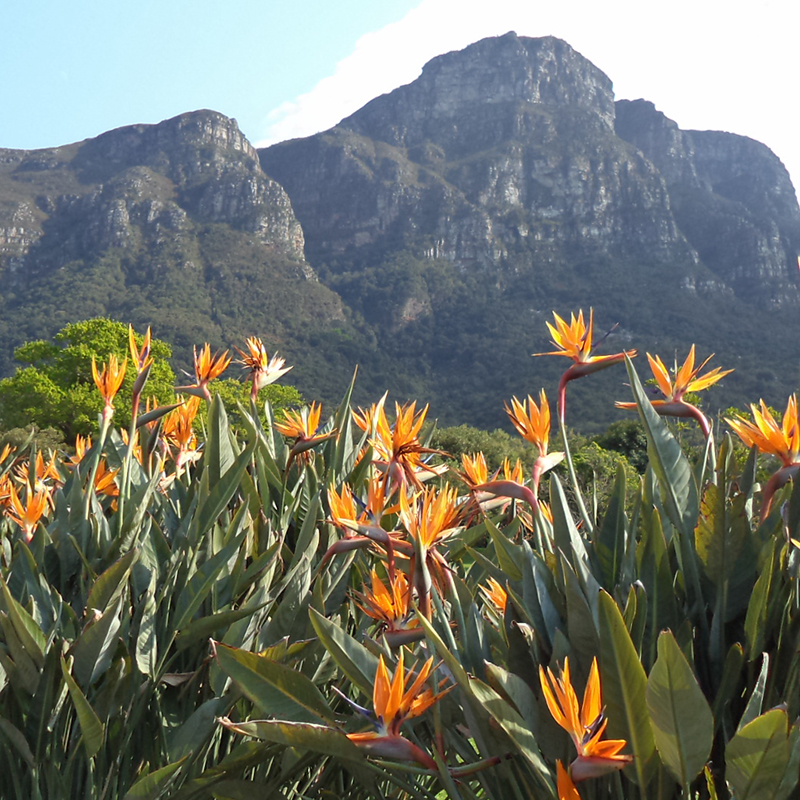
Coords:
pixel 130 186
pixel 731 197
pixel 174 225
pixel 513 150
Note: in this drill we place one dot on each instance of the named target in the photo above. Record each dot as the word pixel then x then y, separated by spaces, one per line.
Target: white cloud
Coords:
pixel 712 64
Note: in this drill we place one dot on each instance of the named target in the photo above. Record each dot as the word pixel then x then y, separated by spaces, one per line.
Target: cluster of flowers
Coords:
pixel 162 438
pixel 401 516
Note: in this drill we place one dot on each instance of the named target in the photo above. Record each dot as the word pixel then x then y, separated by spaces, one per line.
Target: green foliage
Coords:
pixel 206 632
pixel 57 389
pixel 495 445
pixel 233 392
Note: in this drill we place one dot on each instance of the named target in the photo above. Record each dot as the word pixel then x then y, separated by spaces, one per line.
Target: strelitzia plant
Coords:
pixel 780 440
pixel 398 450
pixel 27 514
pixel 429 517
pixel 392 607
pixel 687 379
pixel 396 699
pixel 263 369
pixel 574 341
pixel 303 426
pixel 206 369
pixel 585 723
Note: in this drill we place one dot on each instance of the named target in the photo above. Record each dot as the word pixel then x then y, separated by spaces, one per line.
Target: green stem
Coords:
pixel 105 423
pixel 587 521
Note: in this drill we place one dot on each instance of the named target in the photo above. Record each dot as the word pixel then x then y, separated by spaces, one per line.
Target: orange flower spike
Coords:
pixel 474 468
pixel 398 450
pixel 512 473
pixel 207 368
pixel 82 446
pixel 533 424
pixel 263 369
pixel 562 701
pixel 393 704
pixel 142 361
pixel 565 787
pixel 574 341
pixel 27 516
pixel 5 490
pixel 108 383
pixel 687 379
pixel 781 441
pixel 104 480
pixel 302 427
pixel 141 358
pixel 495 594
pixel 178 431
pixel 429 517
pixel 596 756
pixel 392 608
pixel 342 506
pixel 6 452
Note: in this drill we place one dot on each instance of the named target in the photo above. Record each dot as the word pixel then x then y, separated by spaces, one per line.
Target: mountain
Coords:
pixel 455 213
pixel 428 237
pixel 172 225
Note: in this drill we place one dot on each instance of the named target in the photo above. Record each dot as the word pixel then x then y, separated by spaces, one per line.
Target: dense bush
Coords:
pixel 312 608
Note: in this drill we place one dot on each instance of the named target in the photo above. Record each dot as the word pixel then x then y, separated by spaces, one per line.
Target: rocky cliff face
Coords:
pixel 506 145
pixel 730 196
pixel 514 149
pixel 174 224
pixel 139 182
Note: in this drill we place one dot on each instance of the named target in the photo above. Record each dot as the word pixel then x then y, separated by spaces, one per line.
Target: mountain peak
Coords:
pixel 502 71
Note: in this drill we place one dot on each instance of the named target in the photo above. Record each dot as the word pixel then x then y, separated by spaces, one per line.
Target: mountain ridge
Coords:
pixel 428 236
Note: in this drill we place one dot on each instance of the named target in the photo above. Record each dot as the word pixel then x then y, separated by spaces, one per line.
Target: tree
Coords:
pixel 57 390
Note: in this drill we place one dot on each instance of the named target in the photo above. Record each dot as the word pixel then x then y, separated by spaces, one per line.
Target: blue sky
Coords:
pixel 282 69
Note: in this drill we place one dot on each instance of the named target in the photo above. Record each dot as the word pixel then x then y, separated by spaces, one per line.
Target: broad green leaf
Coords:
pixel 91 727
pixel 517 730
pixel 720 533
pixel 204 628
pixel 20 668
pixel 518 691
pixel 219 455
pixel 95 647
pixel 197 728
pixel 756 701
pixel 289 616
pixel 152 785
pixel 683 727
pixel 25 626
pixel 755 625
pixel 145 649
pixel 220 494
pixel 308 736
pixel 357 663
pixel 17 738
pixel 509 555
pixel 197 589
pixel 276 689
pixel 792 774
pixel 757 757
pixel 624 685
pixel 612 534
pixel 581 625
pixel 565 534
pixel 674 474
pixel 729 682
pixel 111 583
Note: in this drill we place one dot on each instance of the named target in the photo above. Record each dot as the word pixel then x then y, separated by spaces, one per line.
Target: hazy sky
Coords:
pixel 283 69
